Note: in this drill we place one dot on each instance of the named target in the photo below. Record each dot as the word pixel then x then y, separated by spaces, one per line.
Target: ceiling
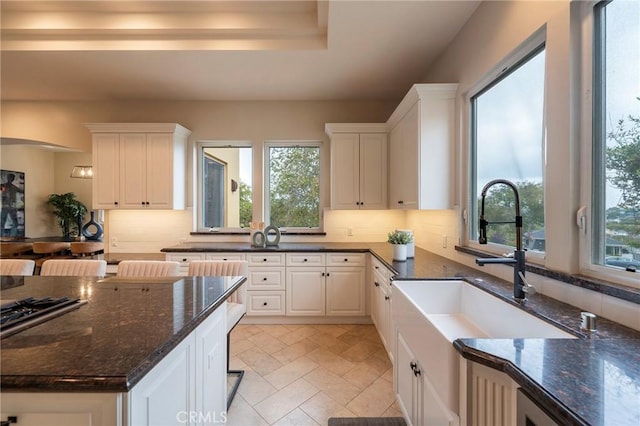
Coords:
pixel 222 50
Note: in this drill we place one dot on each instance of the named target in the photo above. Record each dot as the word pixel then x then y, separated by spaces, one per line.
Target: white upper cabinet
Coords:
pixel 139 165
pixel 421 148
pixel 358 166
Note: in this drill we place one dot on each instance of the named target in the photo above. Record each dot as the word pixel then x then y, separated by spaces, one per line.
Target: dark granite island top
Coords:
pixel 111 342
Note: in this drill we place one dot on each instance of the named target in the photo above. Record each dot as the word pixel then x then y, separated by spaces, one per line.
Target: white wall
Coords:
pixel 495 30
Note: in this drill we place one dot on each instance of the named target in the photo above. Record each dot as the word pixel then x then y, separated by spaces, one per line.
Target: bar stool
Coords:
pixel 50 250
pixel 86 248
pixel 14 248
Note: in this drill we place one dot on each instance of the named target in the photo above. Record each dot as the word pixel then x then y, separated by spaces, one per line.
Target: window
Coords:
pixel 616 135
pixel 292 184
pixel 507 142
pixel 225 179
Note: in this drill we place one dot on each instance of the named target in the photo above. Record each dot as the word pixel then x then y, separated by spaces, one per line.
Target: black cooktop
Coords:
pixel 20 314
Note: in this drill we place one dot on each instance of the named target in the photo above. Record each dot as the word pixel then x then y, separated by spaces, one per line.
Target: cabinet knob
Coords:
pixel 142 203
pixel 147 203
pixel 264 260
pixel 328 274
pixel 413 365
pixel 386 298
pixel 184 260
pixel 264 279
pixel 400 202
pixel 264 304
pixel 224 259
pixel 376 284
pixel 346 260
pixel 115 202
pixel 304 260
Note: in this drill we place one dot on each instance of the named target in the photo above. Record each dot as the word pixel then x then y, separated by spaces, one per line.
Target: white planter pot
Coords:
pixel 399 252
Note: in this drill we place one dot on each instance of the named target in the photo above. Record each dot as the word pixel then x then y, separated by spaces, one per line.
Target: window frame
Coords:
pixel 199 146
pixel 592 158
pixel 520 55
pixel 266 180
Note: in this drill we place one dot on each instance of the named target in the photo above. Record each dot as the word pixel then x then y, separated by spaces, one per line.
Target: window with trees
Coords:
pixel 615 240
pixel 292 184
pixel 224 185
pixel 507 142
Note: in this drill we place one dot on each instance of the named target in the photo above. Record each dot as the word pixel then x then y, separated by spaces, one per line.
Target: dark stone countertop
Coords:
pixel 591 380
pixel 111 342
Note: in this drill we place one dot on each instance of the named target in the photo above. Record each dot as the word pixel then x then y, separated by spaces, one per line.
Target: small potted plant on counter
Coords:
pixel 399 241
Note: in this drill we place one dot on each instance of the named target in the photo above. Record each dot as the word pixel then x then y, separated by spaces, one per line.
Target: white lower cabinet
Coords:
pixel 337 289
pixel 488 397
pixel 381 304
pixel 266 284
pixel 306 291
pixel 167 392
pixel 345 291
pixel 414 391
pixel 187 387
pixel 62 409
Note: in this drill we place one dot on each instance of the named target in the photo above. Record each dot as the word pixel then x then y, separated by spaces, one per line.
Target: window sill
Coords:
pixel 230 232
pixel 619 291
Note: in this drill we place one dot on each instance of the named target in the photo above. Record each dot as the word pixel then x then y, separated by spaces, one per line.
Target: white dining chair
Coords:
pixel 74 267
pixel 17 266
pixel 148 268
pixel 236 303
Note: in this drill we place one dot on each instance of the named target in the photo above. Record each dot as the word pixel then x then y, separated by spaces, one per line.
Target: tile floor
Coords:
pixel 303 374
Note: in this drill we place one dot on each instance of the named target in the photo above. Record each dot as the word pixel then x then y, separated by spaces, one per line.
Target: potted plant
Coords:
pixel 69 211
pixel 399 241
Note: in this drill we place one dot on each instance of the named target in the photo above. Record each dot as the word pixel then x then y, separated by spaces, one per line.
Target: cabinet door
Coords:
pixel 405 381
pixel 345 291
pixel 403 154
pixel 345 173
pixel 159 174
pixel 133 174
pixel 211 379
pixel 373 171
pixel 61 409
pixel 166 390
pixel 375 304
pixel 305 291
pixel 106 171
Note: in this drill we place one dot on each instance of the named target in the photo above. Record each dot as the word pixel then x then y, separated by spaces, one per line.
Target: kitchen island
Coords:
pixel 140 351
pixel 591 380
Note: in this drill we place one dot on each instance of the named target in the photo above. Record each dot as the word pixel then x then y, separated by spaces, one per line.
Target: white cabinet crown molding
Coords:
pixel 419 92
pixel 331 128
pixel 138 128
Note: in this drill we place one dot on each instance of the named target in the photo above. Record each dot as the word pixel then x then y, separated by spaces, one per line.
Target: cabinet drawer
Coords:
pixel 225 256
pixel 265 303
pixel 266 259
pixel 266 278
pixel 184 258
pixel 346 259
pixel 305 259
